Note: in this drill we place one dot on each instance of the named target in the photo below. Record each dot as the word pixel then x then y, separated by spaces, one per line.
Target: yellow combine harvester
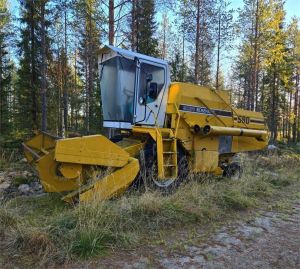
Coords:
pixel 167 129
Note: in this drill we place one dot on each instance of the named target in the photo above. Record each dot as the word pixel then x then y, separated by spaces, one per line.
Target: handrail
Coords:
pixel 211 111
pixel 231 107
pixel 178 119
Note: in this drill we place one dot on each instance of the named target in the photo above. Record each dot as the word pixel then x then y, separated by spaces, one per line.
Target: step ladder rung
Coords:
pixel 170 152
pixel 168 139
pixel 169 165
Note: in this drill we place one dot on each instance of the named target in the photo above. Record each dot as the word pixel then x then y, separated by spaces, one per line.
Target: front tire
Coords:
pixel 148 174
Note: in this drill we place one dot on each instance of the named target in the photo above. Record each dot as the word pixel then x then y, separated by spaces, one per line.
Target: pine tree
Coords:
pixel 179 70
pixel 293 32
pixel 143 27
pixel 275 62
pixel 5 71
pixel 198 17
pixel 223 35
pixel 87 14
pixel 34 49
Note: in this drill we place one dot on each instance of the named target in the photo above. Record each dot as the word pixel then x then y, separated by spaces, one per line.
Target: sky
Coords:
pixel 292 8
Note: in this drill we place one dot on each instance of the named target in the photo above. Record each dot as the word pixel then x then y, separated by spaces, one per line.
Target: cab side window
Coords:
pixel 152 80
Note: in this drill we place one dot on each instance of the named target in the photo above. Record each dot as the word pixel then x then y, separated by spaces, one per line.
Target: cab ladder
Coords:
pixel 166 154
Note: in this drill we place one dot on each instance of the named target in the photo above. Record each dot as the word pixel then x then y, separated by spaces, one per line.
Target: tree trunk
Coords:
pixel 164 36
pixel 296 109
pixel 1 95
pixel 134 26
pixel 218 50
pixel 273 104
pixel 43 68
pixel 33 68
pixel 254 87
pixel 288 117
pixel 65 93
pixel 111 22
pixel 75 87
pixel 197 43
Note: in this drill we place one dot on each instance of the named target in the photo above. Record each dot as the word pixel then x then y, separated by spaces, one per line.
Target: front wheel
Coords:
pixel 148 174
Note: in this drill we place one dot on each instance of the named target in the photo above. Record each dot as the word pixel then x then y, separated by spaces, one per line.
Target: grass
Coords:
pixel 46 230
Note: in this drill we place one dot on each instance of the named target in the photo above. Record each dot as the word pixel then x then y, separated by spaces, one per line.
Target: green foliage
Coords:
pixel 28 84
pixel 266 69
pixel 6 69
pixel 144 27
pixel 88 19
pixel 178 69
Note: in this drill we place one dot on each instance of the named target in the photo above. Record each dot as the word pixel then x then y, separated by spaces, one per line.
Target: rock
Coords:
pixel 4 186
pixel 227 239
pixel 13 174
pixel 24 160
pixel 249 232
pixel 272 147
pixel 263 222
pixel 36 186
pixel 26 174
pixel 2 178
pixel 24 188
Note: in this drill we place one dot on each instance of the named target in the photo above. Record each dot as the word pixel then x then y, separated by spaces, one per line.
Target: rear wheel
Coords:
pixel 233 171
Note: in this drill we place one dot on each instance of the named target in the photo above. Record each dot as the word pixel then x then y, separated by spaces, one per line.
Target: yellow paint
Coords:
pixel 70 170
pixel 47 168
pixel 205 161
pixel 91 150
pixel 68 164
pixel 111 185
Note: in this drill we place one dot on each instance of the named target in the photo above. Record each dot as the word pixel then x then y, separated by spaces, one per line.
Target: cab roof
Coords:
pixel 109 51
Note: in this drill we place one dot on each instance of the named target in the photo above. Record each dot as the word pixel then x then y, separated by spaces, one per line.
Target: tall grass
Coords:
pixel 50 230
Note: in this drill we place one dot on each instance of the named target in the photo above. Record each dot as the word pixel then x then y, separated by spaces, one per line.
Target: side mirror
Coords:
pixel 153 90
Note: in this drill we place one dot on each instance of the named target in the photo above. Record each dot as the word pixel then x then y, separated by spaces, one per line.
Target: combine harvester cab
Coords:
pixel 167 130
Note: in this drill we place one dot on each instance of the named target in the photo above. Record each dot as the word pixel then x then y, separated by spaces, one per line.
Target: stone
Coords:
pixel 2 178
pixel 263 222
pixel 4 186
pixel 272 147
pixel 249 232
pixel 13 174
pixel 24 188
pixel 36 186
pixel 26 174
pixel 225 238
pixel 24 160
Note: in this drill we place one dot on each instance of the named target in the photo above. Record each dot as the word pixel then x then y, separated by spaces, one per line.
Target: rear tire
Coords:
pixel 233 171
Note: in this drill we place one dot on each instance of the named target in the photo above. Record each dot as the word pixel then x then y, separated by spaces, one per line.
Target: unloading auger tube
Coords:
pixel 79 165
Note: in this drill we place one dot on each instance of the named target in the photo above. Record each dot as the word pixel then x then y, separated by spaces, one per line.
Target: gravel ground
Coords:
pixel 271 240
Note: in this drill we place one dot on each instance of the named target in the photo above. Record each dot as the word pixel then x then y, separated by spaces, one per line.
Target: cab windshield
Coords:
pixel 117 82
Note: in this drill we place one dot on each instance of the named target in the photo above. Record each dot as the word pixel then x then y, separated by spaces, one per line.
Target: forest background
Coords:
pixel 49 77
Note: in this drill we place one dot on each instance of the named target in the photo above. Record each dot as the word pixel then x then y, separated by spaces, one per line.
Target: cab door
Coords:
pixel 151 85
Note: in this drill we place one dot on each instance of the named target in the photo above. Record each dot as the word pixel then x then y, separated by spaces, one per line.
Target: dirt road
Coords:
pixel 270 240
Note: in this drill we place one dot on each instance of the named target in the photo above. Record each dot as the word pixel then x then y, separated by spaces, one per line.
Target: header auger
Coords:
pixel 176 127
